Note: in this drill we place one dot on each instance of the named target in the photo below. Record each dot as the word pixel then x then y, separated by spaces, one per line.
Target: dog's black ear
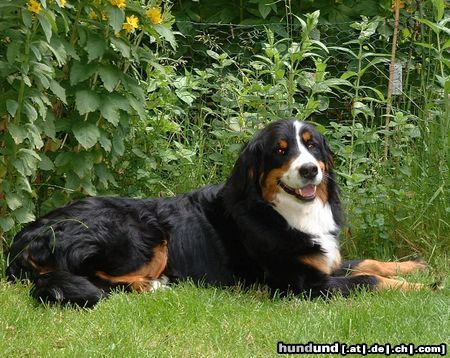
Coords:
pixel 328 153
pixel 243 182
pixel 332 184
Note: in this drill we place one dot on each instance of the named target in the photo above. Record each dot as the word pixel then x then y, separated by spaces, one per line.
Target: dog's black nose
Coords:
pixel 308 170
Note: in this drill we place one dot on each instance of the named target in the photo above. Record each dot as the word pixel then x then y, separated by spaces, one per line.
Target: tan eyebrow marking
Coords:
pixel 306 135
pixel 282 144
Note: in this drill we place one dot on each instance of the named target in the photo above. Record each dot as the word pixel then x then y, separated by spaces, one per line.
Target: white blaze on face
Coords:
pixel 292 177
pixel 312 217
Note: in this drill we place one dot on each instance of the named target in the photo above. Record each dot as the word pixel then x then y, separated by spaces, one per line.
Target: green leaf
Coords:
pixel 58 90
pixel 72 181
pixel 348 74
pixel 118 145
pixel 116 17
pixel 87 101
pixel 11 107
pixel 121 46
pixel 110 108
pixel 27 18
pixel 431 25
pixel 6 224
pixel 34 135
pixel 446 45
pixel 17 133
pixel 63 159
pixel 46 26
pixel 110 77
pixel 45 163
pixel 36 51
pixel 167 34
pixel 59 50
pixel 95 47
pixel 104 141
pixel 110 111
pixel 132 85
pixel 137 106
pixel 48 125
pixel 439 7
pixel 23 184
pixel 26 161
pixel 13 201
pixel 185 95
pixel 264 9
pixel 13 50
pixel 426 45
pixel 82 164
pixel 30 112
pixel 104 175
pixel 80 72
pixel 24 215
pixel 87 134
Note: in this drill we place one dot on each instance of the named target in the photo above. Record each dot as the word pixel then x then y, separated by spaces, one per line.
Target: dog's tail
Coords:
pixel 55 286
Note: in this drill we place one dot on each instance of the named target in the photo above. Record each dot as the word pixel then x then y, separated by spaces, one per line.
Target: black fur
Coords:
pixel 219 234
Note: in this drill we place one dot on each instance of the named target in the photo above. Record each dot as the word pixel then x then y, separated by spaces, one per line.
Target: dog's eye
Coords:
pixel 281 151
pixel 311 145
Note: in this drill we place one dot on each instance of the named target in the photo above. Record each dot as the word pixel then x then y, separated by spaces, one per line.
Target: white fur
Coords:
pixel 314 218
pixel 160 283
pixel 291 177
pixel 311 217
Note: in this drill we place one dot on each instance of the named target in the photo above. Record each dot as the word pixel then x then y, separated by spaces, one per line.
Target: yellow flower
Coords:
pixel 154 14
pixel 119 3
pixel 62 3
pixel 131 24
pixel 34 6
pixel 104 15
pixel 92 15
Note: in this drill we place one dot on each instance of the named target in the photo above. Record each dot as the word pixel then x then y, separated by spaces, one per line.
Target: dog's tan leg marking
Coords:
pixel 391 284
pixel 144 278
pixel 320 262
pixel 388 269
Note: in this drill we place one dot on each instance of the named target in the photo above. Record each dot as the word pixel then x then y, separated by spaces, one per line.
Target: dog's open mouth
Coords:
pixel 307 193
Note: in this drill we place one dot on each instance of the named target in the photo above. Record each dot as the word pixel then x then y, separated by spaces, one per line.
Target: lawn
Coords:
pixel 187 321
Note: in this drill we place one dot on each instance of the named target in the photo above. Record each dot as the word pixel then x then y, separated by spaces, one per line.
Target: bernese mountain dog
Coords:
pixel 274 222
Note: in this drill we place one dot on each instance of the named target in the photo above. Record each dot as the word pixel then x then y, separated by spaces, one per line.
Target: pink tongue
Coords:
pixel 308 190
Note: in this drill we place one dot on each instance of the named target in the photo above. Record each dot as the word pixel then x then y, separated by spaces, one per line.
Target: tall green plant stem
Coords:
pixel 391 78
pixel 357 86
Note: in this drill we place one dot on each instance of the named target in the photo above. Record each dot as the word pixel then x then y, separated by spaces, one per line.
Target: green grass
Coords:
pixel 188 321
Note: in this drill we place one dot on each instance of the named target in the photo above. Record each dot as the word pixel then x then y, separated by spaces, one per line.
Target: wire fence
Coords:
pixel 242 42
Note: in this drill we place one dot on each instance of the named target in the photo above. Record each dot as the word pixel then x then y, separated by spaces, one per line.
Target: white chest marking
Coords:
pixel 313 218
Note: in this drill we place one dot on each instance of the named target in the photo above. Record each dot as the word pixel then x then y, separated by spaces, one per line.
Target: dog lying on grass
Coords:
pixel 275 221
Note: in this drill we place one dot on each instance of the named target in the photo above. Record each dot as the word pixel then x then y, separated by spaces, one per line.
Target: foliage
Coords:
pixel 71 85
pixel 86 111
pixel 264 11
pixel 400 198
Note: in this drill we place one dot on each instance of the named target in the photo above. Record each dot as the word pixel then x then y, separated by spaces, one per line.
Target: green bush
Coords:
pixel 93 105
pixel 71 87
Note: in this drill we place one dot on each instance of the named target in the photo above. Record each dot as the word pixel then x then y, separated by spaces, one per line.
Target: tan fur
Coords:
pixel 319 262
pixel 306 136
pixel 388 269
pixel 140 280
pixel 270 185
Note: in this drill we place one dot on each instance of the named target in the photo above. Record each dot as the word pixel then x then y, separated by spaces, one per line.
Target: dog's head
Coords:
pixel 286 158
